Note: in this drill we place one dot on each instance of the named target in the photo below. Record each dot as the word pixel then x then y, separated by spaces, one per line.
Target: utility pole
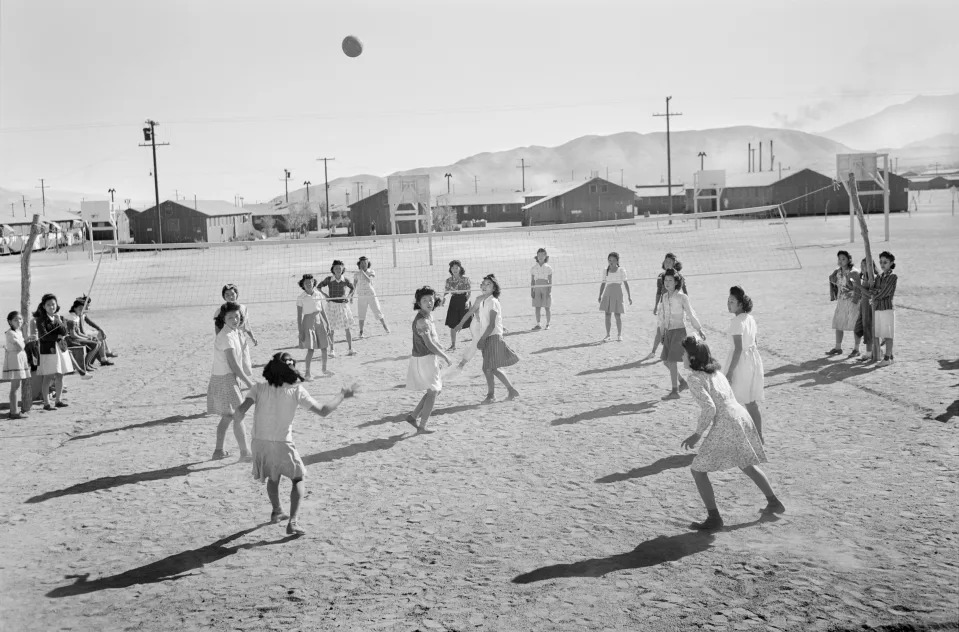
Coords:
pixel 447 176
pixel 523 166
pixel 669 163
pixel 149 135
pixel 43 195
pixel 307 183
pixel 749 157
pixel 772 156
pixel 621 177
pixel 701 155
pixel 475 184
pixel 286 185
pixel 760 156
pixel 358 185
pixel 326 181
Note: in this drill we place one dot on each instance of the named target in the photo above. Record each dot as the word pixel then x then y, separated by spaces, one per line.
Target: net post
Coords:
pixel 26 390
pixel 393 241
pixel 885 192
pixel 856 207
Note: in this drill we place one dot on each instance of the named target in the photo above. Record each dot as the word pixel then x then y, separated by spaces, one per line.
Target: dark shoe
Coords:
pixel 15 416
pixel 48 407
pixel 61 404
pixel 111 355
pixel 834 351
pixel 711 523
pixel 219 455
pixel 106 363
pixel 854 353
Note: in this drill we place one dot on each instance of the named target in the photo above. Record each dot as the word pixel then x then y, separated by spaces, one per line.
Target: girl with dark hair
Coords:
pixel 674 308
pixel 670 262
pixel 55 359
pixel 231 294
pixel 366 295
pixel 744 366
pixel 15 364
pixel 338 306
pixel 423 372
pixel 611 294
pixel 842 284
pixel 223 393
pixel 541 286
pixel 496 353
pixel 732 440
pixel 274 454
pixel 76 338
pixel 880 297
pixel 311 322
pixel 459 285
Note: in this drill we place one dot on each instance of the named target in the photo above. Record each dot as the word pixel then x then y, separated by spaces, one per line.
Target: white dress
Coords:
pixel 747 382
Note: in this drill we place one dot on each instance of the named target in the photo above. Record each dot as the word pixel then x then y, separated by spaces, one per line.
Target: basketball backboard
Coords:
pixel 710 179
pixel 865 166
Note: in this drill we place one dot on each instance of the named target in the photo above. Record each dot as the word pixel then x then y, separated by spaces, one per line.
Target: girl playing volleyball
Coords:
pixel 611 294
pixel 274 454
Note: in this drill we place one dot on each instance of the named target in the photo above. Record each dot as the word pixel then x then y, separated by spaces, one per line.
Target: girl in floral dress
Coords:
pixel 459 285
pixel 338 307
pixel 732 440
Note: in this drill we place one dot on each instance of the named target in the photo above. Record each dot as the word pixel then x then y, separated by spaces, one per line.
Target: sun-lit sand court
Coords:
pixel 565 509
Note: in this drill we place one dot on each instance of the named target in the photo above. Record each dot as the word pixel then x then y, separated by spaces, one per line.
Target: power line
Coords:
pixel 149 135
pixel 523 166
pixel 43 194
pixel 326 187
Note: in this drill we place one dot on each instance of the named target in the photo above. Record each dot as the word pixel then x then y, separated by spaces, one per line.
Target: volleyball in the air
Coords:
pixel 352 46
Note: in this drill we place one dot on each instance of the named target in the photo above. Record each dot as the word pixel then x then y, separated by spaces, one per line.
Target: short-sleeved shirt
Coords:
pixel 462 284
pixel 275 408
pixel 422 326
pixel 310 303
pixel 486 308
pixel 364 282
pixel 615 277
pixel 541 272
pixel 337 288
pixel 225 340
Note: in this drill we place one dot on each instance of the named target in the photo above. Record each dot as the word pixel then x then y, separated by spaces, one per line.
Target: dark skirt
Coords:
pixel 673 345
pixel 497 354
pixel 456 310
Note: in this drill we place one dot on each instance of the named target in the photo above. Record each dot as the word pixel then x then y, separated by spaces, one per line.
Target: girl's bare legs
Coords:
pixel 45 389
pixel 58 386
pixel 608 323
pixel 423 410
pixel 839 333
pixel 505 380
pixel 361 328
pixel 538 312
pixel 705 489
pixel 756 475
pixel 673 379
pixel 888 346
pixel 349 340
pixel 490 387
pixel 619 326
pixel 273 491
pixel 309 360
pixel 323 356
pixel 14 397
pixel 386 327
pixel 221 427
pixel 753 409
pixel 240 433
pixel 452 339
pixel 296 495
pixel 548 316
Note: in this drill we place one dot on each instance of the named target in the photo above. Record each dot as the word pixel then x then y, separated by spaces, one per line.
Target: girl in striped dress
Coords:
pixel 366 295
pixel 496 353
pixel 311 322
pixel 340 316
pixel 881 297
pixel 674 308
pixel 611 294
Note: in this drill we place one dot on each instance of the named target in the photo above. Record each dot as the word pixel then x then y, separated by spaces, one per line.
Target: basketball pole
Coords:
pixel 856 205
pixel 26 389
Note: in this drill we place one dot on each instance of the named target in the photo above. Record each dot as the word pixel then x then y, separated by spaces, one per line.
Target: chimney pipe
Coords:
pixel 772 156
pixel 749 167
pixel 760 156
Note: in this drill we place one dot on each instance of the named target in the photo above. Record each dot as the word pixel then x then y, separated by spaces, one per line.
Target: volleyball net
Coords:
pixel 266 271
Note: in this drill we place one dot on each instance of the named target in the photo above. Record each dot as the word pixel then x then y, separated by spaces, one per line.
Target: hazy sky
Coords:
pixel 243 90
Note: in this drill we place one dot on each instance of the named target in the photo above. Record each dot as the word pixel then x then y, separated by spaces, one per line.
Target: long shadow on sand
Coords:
pixel 353 449
pixel 952 410
pixel 827 375
pixel 616 410
pixel 620 367
pixel 197 396
pixel 672 462
pixel 172 419
pixel 108 482
pixel 802 367
pixel 169 568
pixel 652 552
pixel 576 346
pixel 391 419
pixel 396 359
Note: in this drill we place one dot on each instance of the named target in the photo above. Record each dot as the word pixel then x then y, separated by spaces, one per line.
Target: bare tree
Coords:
pixel 444 219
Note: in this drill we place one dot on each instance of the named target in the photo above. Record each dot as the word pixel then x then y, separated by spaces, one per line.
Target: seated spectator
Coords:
pixel 76 338
pixel 90 328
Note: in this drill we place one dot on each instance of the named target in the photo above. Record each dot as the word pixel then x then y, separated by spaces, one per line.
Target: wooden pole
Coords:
pixel 856 206
pixel 26 390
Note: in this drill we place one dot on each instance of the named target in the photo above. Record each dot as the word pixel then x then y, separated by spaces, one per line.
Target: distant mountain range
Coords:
pixel 920 133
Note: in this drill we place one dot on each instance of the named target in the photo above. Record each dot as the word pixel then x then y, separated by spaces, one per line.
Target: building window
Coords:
pixel 592 188
pixel 221 232
pixel 605 188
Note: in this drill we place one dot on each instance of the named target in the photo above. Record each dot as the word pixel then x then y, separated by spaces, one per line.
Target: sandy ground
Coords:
pixel 566 509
